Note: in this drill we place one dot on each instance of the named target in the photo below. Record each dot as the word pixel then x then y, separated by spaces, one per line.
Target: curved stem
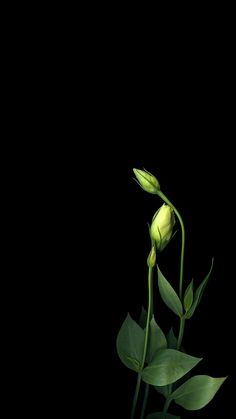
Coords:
pixel 181 332
pixel 150 309
pixel 136 396
pixel 165 199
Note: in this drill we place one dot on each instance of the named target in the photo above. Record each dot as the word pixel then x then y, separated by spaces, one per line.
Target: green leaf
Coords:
pixel 130 343
pixel 188 297
pixel 169 295
pixel 157 340
pixel 197 392
pixel 168 366
pixel 159 415
pixel 143 318
pixel 172 340
pixel 198 294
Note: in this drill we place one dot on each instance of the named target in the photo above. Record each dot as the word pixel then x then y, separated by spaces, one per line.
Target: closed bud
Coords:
pixel 151 260
pixel 147 181
pixel 162 226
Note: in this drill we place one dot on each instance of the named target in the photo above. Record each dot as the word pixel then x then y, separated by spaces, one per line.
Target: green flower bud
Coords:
pixel 147 181
pixel 162 226
pixel 151 260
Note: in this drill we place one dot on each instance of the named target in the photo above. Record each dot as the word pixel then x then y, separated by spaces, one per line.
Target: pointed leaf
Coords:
pixel 188 297
pixel 130 343
pixel 197 392
pixel 167 366
pixel 159 415
pixel 157 340
pixel 198 294
pixel 143 318
pixel 169 295
pixel 172 340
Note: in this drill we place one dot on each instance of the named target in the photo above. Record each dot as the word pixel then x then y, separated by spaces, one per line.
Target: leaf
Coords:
pixel 171 340
pixel 157 340
pixel 199 292
pixel 143 318
pixel 169 295
pixel 130 343
pixel 159 415
pixel 188 297
pixel 197 392
pixel 168 366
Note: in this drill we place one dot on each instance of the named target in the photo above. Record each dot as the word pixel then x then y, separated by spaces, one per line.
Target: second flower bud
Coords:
pixel 162 226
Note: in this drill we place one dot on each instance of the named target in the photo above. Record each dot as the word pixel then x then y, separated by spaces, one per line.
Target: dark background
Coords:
pixel 162 101
pixel 114 95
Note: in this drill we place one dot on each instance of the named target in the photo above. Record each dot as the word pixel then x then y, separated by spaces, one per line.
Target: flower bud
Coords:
pixel 147 181
pixel 162 226
pixel 151 260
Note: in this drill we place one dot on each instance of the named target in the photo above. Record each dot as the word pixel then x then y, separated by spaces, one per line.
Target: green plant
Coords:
pixel 157 359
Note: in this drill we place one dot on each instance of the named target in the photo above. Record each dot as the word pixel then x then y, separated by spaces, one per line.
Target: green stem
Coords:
pixel 151 295
pixel 150 308
pixel 145 401
pixel 165 199
pixel 181 332
pixel 150 275
pixel 136 395
pixel 166 407
pixel 146 393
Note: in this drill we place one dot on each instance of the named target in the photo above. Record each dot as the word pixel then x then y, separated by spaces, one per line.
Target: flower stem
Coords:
pixel 181 332
pixel 150 309
pixel 145 401
pixel 165 199
pixel 146 393
pixel 150 275
pixel 136 396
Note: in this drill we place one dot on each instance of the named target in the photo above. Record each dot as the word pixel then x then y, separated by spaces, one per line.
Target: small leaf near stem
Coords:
pixel 169 295
pixel 188 297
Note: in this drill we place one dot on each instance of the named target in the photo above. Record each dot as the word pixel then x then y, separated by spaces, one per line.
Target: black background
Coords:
pixel 114 96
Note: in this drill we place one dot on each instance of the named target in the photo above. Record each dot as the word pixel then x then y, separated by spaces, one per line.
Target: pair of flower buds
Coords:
pixel 163 220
